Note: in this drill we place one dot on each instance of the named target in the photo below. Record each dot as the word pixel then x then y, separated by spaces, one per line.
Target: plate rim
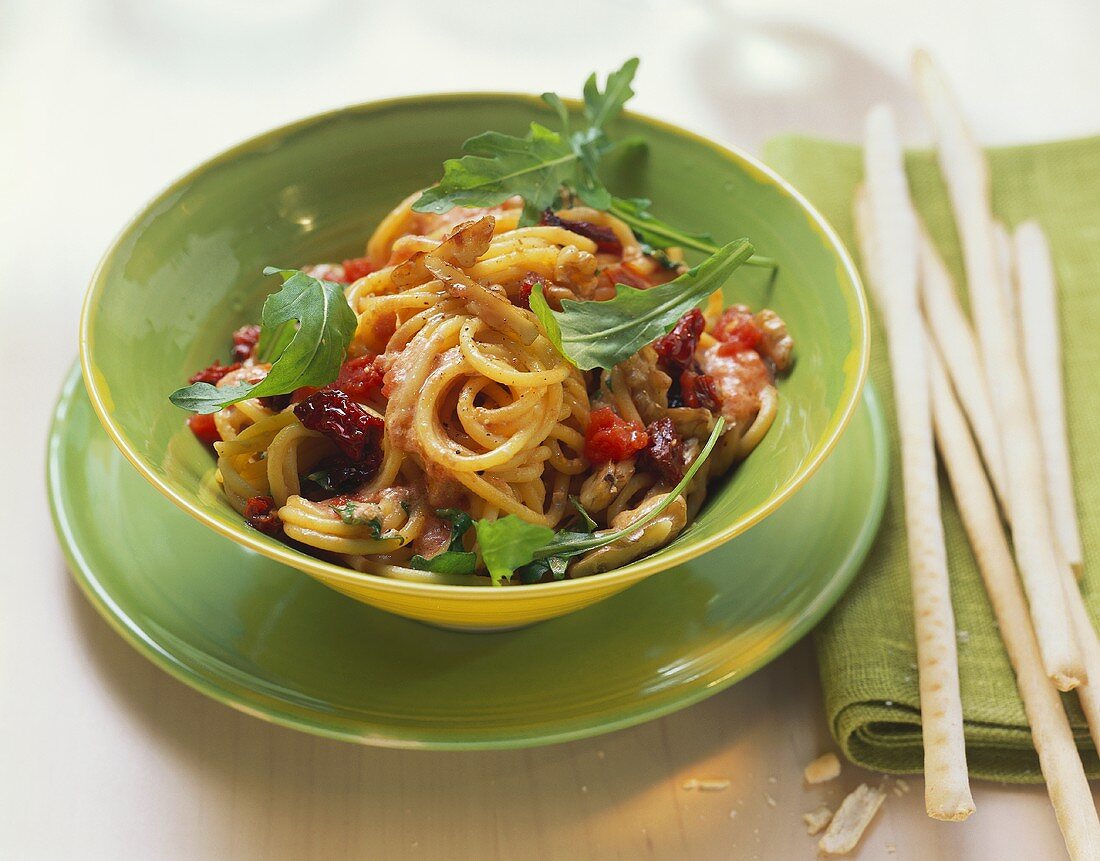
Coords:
pixel 131 632
pixel 854 378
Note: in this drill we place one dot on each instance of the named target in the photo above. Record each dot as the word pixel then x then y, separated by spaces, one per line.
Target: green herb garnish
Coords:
pixel 589 523
pixel 455 559
pixel 306 328
pixel 655 235
pixel 536 167
pixel 602 334
pixel 348 513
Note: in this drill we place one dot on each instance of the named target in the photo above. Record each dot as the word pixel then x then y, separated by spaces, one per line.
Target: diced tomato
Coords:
pixel 609 437
pixel 360 378
pixel 245 340
pixel 356 268
pixel 204 428
pixel 213 373
pixel 737 327
pixel 261 513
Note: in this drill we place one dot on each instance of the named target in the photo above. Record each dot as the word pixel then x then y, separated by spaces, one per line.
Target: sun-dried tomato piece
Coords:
pixel 360 378
pixel 737 327
pixel 245 340
pixel 356 268
pixel 664 452
pixel 356 432
pixel 609 437
pixel 698 390
pixel 261 513
pixel 676 350
pixel 604 237
pixel 204 428
pixel 276 403
pixel 526 288
pixel 213 373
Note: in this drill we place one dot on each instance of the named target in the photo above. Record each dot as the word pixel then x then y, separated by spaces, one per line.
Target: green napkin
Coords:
pixel 865 647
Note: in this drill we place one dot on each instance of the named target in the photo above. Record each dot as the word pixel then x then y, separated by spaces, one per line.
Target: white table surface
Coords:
pixel 103 102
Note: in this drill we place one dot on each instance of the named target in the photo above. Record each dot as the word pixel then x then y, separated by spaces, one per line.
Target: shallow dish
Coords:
pixel 186 272
pixel 260 637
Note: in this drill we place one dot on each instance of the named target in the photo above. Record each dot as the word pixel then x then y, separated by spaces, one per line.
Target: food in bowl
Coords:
pixel 516 382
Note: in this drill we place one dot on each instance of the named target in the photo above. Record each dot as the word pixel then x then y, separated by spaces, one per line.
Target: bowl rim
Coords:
pixel 328 571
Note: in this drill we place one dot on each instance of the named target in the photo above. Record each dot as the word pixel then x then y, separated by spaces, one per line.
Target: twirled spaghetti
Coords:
pixel 453 399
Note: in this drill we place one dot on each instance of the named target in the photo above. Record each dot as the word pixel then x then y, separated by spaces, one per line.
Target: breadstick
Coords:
pixel 947 790
pixel 1050 730
pixel 1042 351
pixel 964 169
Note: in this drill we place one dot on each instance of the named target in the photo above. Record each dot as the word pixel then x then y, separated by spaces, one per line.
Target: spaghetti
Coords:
pixel 453 403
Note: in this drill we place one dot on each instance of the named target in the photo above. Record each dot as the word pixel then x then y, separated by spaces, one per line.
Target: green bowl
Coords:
pixel 187 271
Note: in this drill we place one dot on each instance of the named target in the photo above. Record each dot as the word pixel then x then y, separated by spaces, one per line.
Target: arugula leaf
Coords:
pixel 309 354
pixel 455 559
pixel 536 167
pixel 589 523
pixel 348 514
pixel 600 108
pixel 509 543
pixel 447 562
pixel 652 231
pixel 658 235
pixel 602 334
pixel 497 166
pixel 534 571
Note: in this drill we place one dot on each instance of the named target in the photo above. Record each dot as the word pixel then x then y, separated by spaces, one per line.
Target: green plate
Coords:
pixel 270 641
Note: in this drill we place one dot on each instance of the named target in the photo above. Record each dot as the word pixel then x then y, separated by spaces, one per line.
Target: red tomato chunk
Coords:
pixel 737 327
pixel 356 268
pixel 261 513
pixel 609 437
pixel 245 340
pixel 360 378
pixel 204 428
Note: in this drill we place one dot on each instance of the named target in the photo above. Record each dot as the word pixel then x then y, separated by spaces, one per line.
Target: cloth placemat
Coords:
pixel 866 647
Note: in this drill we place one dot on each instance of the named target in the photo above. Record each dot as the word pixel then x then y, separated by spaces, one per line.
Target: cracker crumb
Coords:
pixel 584 789
pixel 891 848
pixel 851 820
pixel 599 754
pixel 816 820
pixel 769 799
pixel 825 768
pixel 733 814
pixel 706 784
pixel 773 780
